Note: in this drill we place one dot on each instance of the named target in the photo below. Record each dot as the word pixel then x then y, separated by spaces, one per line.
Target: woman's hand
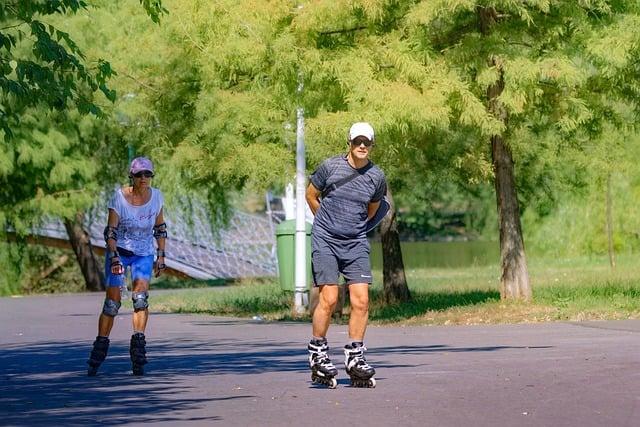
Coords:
pixel 116 266
pixel 159 266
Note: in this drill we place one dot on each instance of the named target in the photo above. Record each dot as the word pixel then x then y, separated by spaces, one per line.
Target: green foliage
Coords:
pixel 55 158
pixel 266 299
pixel 223 80
pixel 212 94
pixel 10 259
pixel 55 162
pixel 40 65
pixel 33 269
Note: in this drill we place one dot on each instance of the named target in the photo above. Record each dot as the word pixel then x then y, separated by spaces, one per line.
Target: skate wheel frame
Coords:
pixel 370 383
pixel 329 382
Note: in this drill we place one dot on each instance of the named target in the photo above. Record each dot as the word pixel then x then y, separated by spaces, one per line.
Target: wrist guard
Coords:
pixel 160 266
pixel 115 262
pixel 160 231
pixel 110 233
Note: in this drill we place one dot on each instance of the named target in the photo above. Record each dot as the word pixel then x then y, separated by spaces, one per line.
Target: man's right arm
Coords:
pixel 313 198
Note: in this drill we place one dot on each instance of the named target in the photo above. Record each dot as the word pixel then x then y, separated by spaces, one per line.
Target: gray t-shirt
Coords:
pixel 343 212
pixel 135 226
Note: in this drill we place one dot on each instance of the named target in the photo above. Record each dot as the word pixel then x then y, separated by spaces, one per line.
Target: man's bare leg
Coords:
pixel 359 299
pixel 327 299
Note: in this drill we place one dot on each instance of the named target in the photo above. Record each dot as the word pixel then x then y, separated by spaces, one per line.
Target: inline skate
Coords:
pixel 138 353
pixel 98 354
pixel 322 370
pixel 359 371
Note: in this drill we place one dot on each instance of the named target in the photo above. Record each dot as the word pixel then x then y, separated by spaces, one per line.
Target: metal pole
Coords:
pixel 301 295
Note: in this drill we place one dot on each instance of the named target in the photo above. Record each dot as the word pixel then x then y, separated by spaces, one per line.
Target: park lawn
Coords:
pixel 568 290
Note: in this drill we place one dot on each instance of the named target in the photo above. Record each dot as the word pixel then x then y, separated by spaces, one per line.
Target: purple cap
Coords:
pixel 140 164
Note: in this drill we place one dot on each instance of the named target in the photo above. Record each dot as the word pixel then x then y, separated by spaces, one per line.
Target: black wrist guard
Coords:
pixel 110 233
pixel 160 231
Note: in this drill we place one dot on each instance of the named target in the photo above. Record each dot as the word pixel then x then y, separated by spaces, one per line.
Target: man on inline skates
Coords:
pixel 344 193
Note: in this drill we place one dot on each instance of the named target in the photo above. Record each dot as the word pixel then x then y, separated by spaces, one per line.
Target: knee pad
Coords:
pixel 111 307
pixel 140 300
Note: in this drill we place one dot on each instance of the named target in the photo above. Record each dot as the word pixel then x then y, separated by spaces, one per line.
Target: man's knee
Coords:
pixel 329 297
pixel 359 301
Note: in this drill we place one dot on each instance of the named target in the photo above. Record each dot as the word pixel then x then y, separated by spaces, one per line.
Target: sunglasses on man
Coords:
pixel 358 142
pixel 146 174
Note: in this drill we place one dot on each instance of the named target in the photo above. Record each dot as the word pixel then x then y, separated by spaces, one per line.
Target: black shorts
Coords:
pixel 332 257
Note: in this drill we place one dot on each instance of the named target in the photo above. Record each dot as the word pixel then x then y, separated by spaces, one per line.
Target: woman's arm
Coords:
pixel 160 233
pixel 110 237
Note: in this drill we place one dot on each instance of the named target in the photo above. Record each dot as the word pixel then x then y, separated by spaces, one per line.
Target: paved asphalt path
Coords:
pixel 207 370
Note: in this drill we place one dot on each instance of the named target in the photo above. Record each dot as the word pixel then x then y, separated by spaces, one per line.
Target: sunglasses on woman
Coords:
pixel 146 174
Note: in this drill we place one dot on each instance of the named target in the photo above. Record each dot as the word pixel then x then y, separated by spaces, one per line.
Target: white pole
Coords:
pixel 301 295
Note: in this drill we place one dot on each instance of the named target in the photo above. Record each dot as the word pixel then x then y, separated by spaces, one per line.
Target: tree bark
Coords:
pixel 81 244
pixel 514 280
pixel 394 279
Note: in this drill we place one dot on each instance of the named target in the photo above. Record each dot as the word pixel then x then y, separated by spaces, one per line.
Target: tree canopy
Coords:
pixel 212 93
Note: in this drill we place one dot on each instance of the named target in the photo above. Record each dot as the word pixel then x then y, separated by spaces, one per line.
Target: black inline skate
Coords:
pixel 138 353
pixel 98 354
pixel 322 370
pixel 360 372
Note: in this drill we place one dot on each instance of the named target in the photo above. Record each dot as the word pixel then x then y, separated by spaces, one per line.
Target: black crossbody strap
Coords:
pixel 344 180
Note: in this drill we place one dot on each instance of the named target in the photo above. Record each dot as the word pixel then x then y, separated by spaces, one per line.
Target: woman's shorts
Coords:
pixel 141 267
pixel 332 257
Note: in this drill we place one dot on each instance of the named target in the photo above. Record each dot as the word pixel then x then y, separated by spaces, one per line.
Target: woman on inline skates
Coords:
pixel 135 219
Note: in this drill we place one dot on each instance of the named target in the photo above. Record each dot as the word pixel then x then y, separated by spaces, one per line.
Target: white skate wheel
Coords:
pixel 334 383
pixel 372 382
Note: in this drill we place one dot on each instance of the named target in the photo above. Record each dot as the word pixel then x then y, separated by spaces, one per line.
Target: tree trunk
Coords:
pixel 81 244
pixel 514 279
pixel 394 279
pixel 612 255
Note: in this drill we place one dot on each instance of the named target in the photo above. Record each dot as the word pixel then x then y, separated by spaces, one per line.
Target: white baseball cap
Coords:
pixel 361 129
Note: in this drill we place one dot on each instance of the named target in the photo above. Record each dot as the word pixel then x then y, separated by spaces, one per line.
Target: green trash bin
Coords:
pixel 286 248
